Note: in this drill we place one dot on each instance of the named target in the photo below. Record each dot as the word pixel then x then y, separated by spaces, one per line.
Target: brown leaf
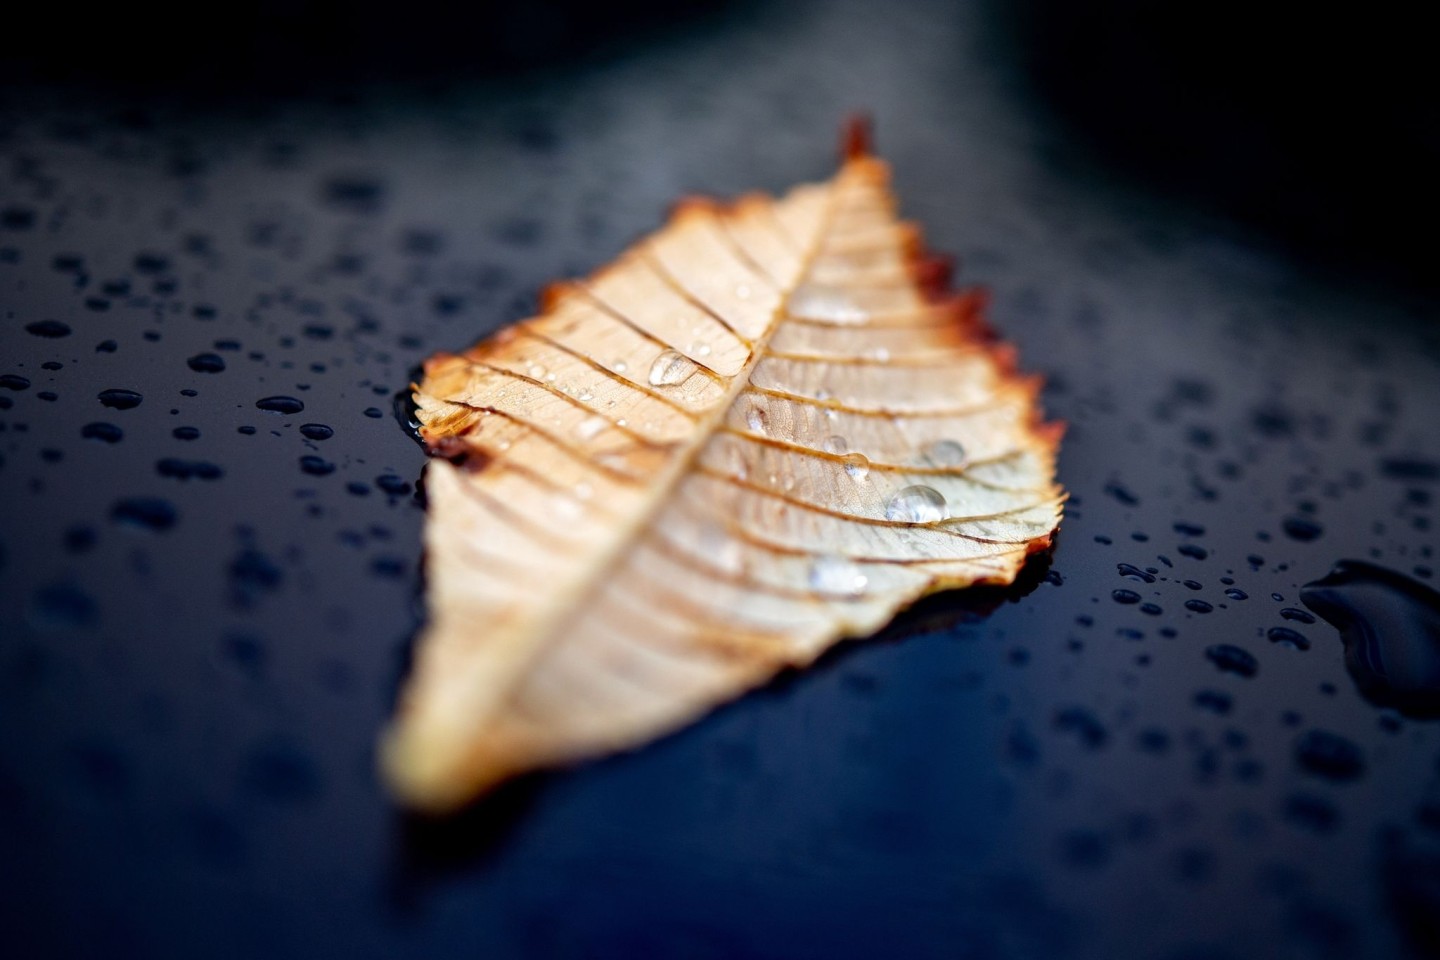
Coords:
pixel 762 429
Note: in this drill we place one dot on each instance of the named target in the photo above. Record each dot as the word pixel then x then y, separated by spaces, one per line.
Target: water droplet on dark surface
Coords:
pixel 1329 755
pixel 1286 637
pixel 1390 625
pixel 285 405
pixel 118 398
pixel 13 381
pixel 178 469
pixel 50 329
pixel 1083 724
pixel 316 466
pixel 316 431
pixel 186 433
pixel 150 513
pixel 1301 528
pixel 1232 659
pixel 1198 606
pixel 1192 550
pixel 106 346
pixel 1299 616
pixel 393 485
pixel 1235 593
pixel 206 363
pixel 1129 570
pixel 1214 701
pixel 1125 596
pixel 107 432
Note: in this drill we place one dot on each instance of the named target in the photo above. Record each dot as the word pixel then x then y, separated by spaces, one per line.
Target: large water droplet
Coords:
pixel 857 466
pixel 669 369
pixel 917 504
pixel 1390 625
pixel 836 575
pixel 943 453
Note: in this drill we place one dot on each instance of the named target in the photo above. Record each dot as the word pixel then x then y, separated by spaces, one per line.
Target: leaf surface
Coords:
pixel 762 429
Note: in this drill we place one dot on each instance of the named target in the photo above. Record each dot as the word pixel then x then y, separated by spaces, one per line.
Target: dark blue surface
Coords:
pixel 202 624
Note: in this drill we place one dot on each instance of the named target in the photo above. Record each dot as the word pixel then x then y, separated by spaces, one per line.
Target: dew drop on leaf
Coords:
pixel 755 419
pixel 943 453
pixel 837 445
pixel 917 504
pixel 669 369
pixel 858 468
pixel 836 575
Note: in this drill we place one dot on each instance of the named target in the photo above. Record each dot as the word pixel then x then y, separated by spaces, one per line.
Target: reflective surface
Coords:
pixel 204 612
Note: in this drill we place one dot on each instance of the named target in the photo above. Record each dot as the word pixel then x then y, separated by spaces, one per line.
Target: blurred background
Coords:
pixel 228 236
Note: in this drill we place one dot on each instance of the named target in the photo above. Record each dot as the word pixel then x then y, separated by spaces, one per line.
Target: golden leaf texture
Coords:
pixel 764 428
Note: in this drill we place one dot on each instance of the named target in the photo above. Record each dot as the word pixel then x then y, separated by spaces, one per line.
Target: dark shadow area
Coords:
pixel 1317 128
pixel 287 48
pixel 431 850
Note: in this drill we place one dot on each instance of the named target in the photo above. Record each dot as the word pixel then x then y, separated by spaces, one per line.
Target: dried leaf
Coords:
pixel 762 429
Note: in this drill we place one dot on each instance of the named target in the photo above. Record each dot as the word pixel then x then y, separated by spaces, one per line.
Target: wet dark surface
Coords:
pixel 209 540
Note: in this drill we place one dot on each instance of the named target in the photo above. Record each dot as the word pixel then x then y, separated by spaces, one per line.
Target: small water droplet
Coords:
pixel 857 466
pixel 207 363
pixel 916 504
pixel 107 432
pixel 669 369
pixel 837 445
pixel 619 366
pixel 755 418
pixel 119 399
pixel 590 427
pixel 536 371
pixel 943 453
pixel 836 575
pixel 316 431
pixel 286 405
pixel 698 348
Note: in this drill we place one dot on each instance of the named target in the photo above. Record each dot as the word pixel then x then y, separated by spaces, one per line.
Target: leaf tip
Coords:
pixel 857 138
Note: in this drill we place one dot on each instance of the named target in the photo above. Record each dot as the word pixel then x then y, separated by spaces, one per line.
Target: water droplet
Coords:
pixel 316 466
pixel 698 348
pixel 619 366
pixel 857 467
pixel 107 432
pixel 13 381
pixel 590 427
pixel 836 575
pixel 1235 593
pixel 316 431
pixel 755 418
pixel 151 513
pixel 1198 606
pixel 50 329
pixel 118 399
pixel 917 504
pixel 1232 659
pixel 1390 625
pixel 536 371
pixel 206 363
pixel 669 369
pixel 943 453
pixel 1285 637
pixel 286 405
pixel 585 396
pixel 1134 572
pixel 1301 528
pixel 836 445
pixel 1329 755
pixel 1124 596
